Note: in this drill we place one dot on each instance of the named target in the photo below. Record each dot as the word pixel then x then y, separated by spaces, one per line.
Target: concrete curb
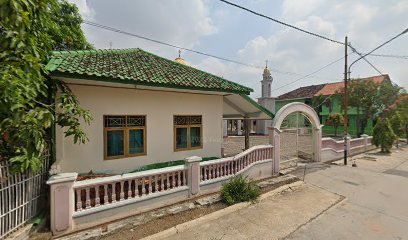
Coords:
pixel 212 216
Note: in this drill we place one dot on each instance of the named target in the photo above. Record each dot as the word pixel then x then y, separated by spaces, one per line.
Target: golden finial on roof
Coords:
pixel 266 70
pixel 180 59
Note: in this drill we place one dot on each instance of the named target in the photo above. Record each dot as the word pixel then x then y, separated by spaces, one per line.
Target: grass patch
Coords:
pixel 168 164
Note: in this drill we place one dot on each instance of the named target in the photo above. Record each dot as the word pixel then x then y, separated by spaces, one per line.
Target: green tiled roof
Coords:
pixel 135 66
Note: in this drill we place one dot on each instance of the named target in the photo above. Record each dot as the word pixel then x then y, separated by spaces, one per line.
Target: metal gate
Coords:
pixel 296 140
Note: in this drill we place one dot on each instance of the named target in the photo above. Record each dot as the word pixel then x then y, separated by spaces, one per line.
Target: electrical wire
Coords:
pixel 388 56
pixel 310 75
pixel 191 50
pixel 280 22
pixel 164 43
pixel 316 71
pixel 362 56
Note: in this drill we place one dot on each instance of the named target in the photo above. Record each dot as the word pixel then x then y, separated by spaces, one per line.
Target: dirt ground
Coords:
pixel 160 224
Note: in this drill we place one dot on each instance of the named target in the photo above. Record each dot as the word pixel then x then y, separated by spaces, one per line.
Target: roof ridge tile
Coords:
pixel 140 67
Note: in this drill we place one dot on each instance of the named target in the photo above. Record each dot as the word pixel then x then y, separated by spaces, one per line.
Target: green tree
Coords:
pixel 336 119
pixel 397 125
pixel 65 30
pixel 369 99
pixel 383 135
pixel 401 106
pixel 29 31
pixel 319 101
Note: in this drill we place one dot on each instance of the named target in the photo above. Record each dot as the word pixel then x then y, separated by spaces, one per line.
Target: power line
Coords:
pixel 324 100
pixel 164 43
pixel 191 50
pixel 362 56
pixel 305 76
pixel 299 29
pixel 388 56
pixel 316 71
pixel 280 22
pixel 388 41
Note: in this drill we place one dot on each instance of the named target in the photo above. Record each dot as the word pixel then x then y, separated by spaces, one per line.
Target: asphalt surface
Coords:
pixel 376 204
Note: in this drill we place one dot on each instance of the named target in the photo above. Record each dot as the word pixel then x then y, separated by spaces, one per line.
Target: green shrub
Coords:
pixel 239 189
pixel 383 135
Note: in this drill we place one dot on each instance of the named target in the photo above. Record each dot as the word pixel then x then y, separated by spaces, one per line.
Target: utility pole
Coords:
pixel 345 102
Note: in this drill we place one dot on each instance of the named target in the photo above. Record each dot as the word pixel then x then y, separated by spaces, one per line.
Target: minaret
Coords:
pixel 266 82
pixel 266 100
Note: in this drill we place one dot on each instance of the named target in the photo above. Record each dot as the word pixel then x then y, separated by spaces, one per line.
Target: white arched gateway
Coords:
pixel 276 131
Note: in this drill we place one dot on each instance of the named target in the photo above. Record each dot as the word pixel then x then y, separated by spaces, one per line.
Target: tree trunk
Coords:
pixel 361 125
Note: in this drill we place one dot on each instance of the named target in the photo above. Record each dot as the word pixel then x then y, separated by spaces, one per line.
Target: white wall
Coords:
pixel 263 125
pixel 159 108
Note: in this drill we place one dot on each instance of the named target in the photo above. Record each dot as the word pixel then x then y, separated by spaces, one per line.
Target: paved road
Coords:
pixel 376 205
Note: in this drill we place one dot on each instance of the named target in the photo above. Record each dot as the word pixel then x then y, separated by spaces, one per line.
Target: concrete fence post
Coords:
pixel 193 172
pixel 274 140
pixel 62 202
pixel 317 143
pixel 348 138
pixel 365 137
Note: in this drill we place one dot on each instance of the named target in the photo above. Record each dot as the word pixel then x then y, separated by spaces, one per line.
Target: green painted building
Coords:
pixel 329 90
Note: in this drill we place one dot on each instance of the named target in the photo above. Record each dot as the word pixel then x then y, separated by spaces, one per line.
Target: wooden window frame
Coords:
pixel 188 127
pixel 125 138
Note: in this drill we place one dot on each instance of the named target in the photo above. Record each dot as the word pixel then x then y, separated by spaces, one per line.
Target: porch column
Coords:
pixel 225 128
pixel 247 123
pixel 274 140
pixel 239 127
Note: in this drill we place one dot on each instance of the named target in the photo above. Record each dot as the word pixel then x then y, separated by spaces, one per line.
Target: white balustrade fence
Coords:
pixel 357 142
pixel 333 149
pixel 333 144
pixel 94 193
pixel 231 166
pixel 81 204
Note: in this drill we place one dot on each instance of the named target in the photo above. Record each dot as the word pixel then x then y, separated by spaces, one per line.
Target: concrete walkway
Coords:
pixel 273 217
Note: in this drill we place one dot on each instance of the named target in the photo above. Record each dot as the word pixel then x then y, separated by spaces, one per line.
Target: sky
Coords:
pixel 216 28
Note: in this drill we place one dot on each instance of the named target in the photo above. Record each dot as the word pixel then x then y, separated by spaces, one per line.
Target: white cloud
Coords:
pixel 84 10
pixel 295 10
pixel 177 22
pixel 206 27
pixel 248 76
pixel 219 29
